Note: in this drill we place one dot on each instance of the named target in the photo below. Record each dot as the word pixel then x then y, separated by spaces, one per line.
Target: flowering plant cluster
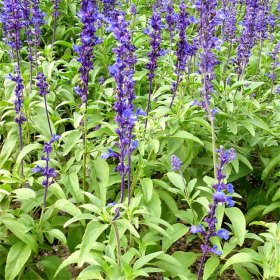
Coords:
pixel 83 70
pixel 222 195
pixel 48 172
pixel 123 71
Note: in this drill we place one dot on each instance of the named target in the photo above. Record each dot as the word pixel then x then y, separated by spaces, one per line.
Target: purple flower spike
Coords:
pixel 108 7
pixel 247 39
pixel 154 32
pixel 42 84
pixel 37 21
pixel 48 172
pixel 133 10
pixel 176 163
pixel 184 49
pixel 89 17
pixel 229 26
pixel 123 71
pixel 171 19
pixel 18 102
pixel 209 20
pixel 219 196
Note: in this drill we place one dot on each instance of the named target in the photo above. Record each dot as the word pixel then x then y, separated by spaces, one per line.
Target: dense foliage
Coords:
pixel 140 139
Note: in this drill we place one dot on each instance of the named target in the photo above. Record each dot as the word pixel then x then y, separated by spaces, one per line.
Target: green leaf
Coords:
pixel 176 232
pixel 147 187
pixel 74 258
pixel 154 205
pixel 40 124
pixel 272 163
pixel 101 178
pixel 169 201
pixel 26 150
pixel 129 226
pixel 145 259
pixel 18 255
pixel 71 140
pixel 254 212
pixel 50 265
pixel 8 148
pixel 84 216
pixel 242 272
pixel 92 232
pixel 71 183
pixel 20 231
pixel 245 161
pixel 188 136
pixel 173 265
pixel 210 266
pixel 64 43
pixel 237 258
pixel 186 259
pixel 271 208
pixel 67 206
pixel 260 123
pixel 58 234
pixel 191 185
pixel 276 195
pixel 24 194
pixel 232 125
pixel 238 223
pixel 177 180
pixel 247 124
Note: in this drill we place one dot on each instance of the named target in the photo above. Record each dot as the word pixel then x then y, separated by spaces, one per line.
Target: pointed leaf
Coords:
pixel 18 255
pixel 93 231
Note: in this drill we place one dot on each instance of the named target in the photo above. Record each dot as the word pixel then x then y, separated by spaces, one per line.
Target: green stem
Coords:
pixel 213 136
pixel 47 114
pixel 228 57
pixel 118 242
pixel 260 55
pixel 85 151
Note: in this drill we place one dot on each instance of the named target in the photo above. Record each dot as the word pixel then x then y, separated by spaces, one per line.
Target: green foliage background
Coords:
pixel 75 237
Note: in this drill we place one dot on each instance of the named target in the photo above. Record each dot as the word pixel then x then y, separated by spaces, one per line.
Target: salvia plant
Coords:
pixel 139 139
pixel 154 32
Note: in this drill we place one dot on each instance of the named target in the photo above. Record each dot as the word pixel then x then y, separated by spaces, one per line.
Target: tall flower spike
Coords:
pixel 247 38
pixel 261 25
pixel 170 19
pixel 12 19
pixel 37 21
pixel 48 172
pixel 55 16
pixel 26 7
pixel 43 91
pixel 154 33
pixel 88 16
pixel 108 7
pixel 183 49
pixel 209 20
pixel 275 63
pixel 229 26
pixel 220 196
pixel 123 71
